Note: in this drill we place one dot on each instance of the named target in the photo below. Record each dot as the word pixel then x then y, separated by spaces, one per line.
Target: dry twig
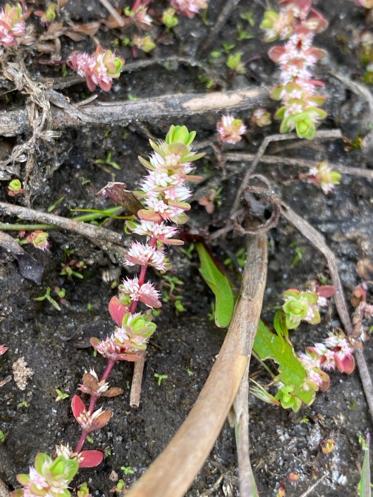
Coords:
pixel 291 161
pixel 107 240
pixel 321 135
pixel 171 474
pixel 241 405
pixel 113 12
pixel 148 109
pixel 218 25
pixel 138 371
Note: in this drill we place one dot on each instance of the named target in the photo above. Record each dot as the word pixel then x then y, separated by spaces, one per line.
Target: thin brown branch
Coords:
pixel 317 240
pixel 226 12
pixel 148 109
pixel 172 473
pixel 312 487
pixel 321 135
pixel 291 161
pixel 107 240
pixel 113 12
pixel 138 371
pixel 241 411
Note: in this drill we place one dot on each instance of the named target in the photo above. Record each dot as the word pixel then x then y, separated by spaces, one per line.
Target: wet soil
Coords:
pixel 55 343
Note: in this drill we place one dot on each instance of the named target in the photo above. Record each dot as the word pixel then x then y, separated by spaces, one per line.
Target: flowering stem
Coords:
pixel 92 403
pixel 138 369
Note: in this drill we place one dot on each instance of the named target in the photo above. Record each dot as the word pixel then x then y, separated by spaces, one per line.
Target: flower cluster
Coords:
pixel 48 477
pixel 98 68
pixel 189 8
pixel 12 25
pixel 323 176
pixel 39 239
pixel 230 129
pixel 300 306
pixel 335 352
pixel 297 22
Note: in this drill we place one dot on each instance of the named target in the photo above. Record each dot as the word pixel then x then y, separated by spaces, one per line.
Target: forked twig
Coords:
pixel 107 240
pixel 113 12
pixel 317 240
pixel 172 473
pixel 321 134
pixel 227 10
pixel 293 161
pixel 312 488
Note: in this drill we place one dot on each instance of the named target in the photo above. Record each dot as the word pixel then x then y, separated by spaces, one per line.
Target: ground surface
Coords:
pixel 55 344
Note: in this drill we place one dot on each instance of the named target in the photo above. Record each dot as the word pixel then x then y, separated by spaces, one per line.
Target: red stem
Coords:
pixel 92 404
pixel 111 363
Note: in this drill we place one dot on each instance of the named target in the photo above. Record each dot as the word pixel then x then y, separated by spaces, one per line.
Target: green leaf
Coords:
pixel 41 459
pixel 364 486
pixel 292 374
pixel 220 286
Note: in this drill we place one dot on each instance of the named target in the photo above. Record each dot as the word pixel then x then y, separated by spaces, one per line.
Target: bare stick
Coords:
pixel 321 134
pixel 148 109
pixel 218 25
pixel 106 239
pixel 138 371
pixel 291 161
pixel 113 12
pixel 172 473
pixel 312 488
pixel 319 243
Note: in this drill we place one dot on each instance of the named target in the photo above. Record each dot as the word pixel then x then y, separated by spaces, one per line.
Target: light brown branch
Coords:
pixel 291 161
pixel 138 370
pixel 107 240
pixel 113 12
pixel 241 404
pixel 148 109
pixel 321 134
pixel 171 474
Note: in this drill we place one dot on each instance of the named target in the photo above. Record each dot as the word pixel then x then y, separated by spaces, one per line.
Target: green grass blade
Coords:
pixel 220 286
pixel 365 489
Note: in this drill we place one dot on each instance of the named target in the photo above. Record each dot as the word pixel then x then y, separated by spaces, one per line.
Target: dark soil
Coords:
pixel 55 344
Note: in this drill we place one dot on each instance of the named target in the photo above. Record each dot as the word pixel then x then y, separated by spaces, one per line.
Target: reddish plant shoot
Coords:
pixel 297 22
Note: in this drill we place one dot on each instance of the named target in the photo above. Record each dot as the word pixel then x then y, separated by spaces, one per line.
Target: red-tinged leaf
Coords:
pixel 316 21
pixel 148 215
pixel 326 291
pixel 345 364
pixel 94 341
pixel 90 458
pixel 129 357
pixel 117 310
pixel 276 52
pixel 77 406
pixel 113 392
pixel 90 381
pixel 101 421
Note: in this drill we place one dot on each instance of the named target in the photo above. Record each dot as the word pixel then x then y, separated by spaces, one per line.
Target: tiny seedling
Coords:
pixel 108 161
pixel 127 470
pixel 3 436
pixel 48 297
pixel 61 395
pixel 160 378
